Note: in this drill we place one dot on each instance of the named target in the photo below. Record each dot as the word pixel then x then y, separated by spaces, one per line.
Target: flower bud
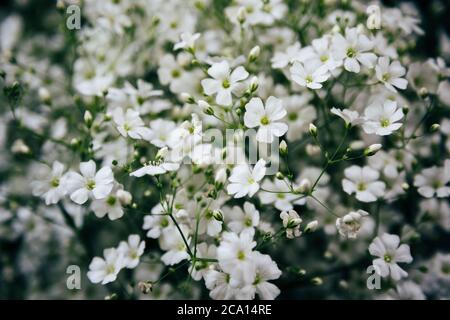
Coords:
pixel 311 227
pixel 279 175
pixel 88 118
pixel 44 95
pixel 124 197
pixel 145 286
pixel 241 15
pixel 221 176
pixel 312 150
pixel 313 130
pixel 254 83
pixel 217 214
pixel 19 147
pixel 372 149
pixel 254 54
pixel 304 187
pixel 283 148
pixel 186 97
pixel 435 127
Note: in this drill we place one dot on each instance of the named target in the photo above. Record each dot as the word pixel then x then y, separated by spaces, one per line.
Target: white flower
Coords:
pixel 293 53
pixel 130 124
pixel 219 285
pixel 389 252
pixel 244 180
pixel 381 119
pixel 391 74
pixel 106 270
pixel 162 165
pixel 350 117
pixel 187 41
pixel 173 243
pixel 209 224
pixel 432 181
pixel 112 204
pixel 224 82
pixel 353 49
pixel 201 268
pixel 242 220
pixel 266 270
pixel 281 196
pixel 50 184
pixel 132 250
pixel 349 225
pixel 364 182
pixel 291 222
pixel 309 74
pixel 156 223
pixel 265 118
pixel 323 56
pixel 89 183
pixel 161 130
pixel 235 255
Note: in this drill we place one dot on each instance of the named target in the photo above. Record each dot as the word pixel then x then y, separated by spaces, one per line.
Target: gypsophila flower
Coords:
pixel 310 75
pixel 382 118
pixel 50 184
pixel 351 118
pixel 224 82
pixel 390 74
pixel 132 250
pixel 349 225
pixel 363 181
pixel 106 270
pixel 244 180
pixel 90 183
pixel 433 181
pixel 265 118
pixel 291 222
pixel 390 252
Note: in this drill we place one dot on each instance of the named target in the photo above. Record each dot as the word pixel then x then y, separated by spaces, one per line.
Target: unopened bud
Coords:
pixel 217 214
pixel 435 127
pixel 145 286
pixel 304 187
pixel 88 118
pixel 317 281
pixel 241 15
pixel 254 54
pixel 313 130
pixel 283 148
pixel 311 227
pixel 124 197
pixel 186 97
pixel 19 147
pixel 254 83
pixel 279 175
pixel 44 95
pixel 372 149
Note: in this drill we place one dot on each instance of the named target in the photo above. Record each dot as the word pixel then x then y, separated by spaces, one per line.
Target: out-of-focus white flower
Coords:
pixel 374 17
pixel 291 222
pixel 172 242
pixel 224 82
pixel 265 118
pixel 201 268
pixel 187 41
pixel 382 118
pixel 350 224
pixel 106 270
pixel 242 220
pixel 89 182
pixel 389 252
pixel 132 250
pixel 50 184
pixel 433 181
pixel 112 204
pixel 280 195
pixel 364 182
pixel 162 165
pixel 245 181
pixel 131 125
pixel 391 75
pixel 350 117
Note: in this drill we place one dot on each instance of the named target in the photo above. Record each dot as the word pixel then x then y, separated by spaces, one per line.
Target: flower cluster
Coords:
pixel 247 145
